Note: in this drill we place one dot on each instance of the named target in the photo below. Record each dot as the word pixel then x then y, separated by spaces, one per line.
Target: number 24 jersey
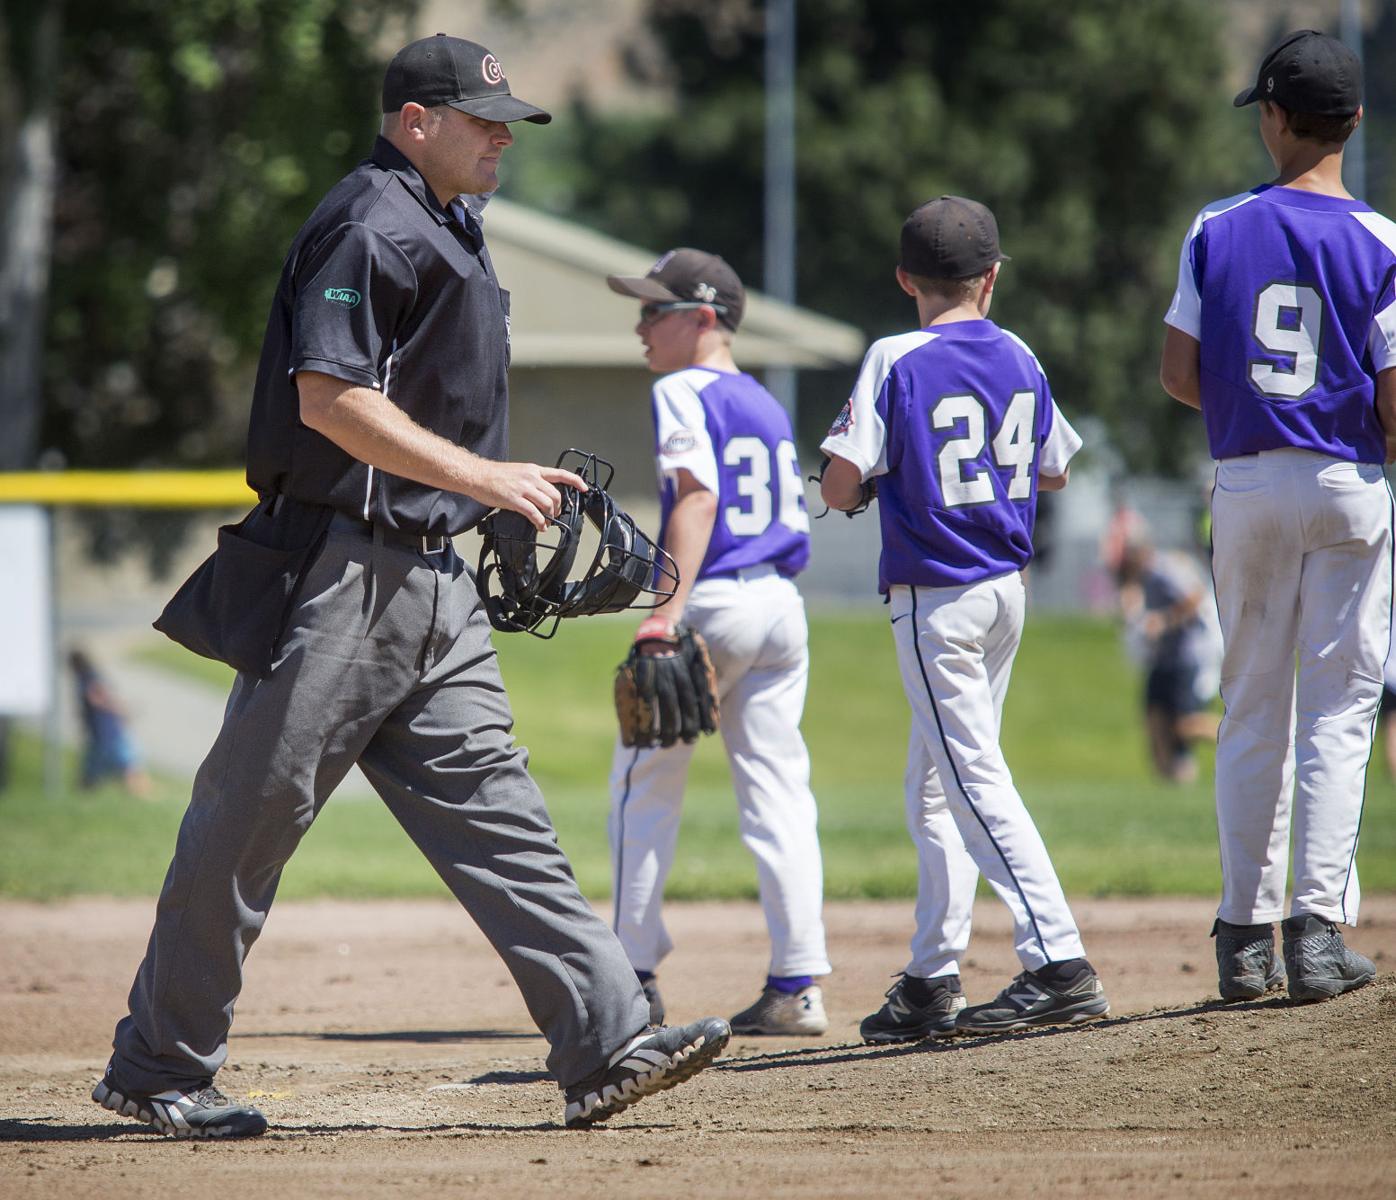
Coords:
pixel 1290 295
pixel 955 421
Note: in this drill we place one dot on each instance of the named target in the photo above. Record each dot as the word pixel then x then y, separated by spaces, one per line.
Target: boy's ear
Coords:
pixel 1275 112
pixel 904 281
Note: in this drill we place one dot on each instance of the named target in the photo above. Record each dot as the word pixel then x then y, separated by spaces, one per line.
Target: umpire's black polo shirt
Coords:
pixel 383 288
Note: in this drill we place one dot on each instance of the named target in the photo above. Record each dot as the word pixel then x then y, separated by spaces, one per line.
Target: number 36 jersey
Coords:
pixel 956 420
pixel 735 438
pixel 1290 295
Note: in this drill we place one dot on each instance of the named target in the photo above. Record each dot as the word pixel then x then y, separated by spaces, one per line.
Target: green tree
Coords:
pixel 1094 130
pixel 193 138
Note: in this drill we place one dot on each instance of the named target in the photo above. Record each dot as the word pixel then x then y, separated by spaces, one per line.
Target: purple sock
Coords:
pixel 789 984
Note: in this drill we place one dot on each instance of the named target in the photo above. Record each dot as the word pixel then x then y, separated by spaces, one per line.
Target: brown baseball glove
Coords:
pixel 666 690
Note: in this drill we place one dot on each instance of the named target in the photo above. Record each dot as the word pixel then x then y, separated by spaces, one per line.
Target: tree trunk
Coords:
pixel 26 202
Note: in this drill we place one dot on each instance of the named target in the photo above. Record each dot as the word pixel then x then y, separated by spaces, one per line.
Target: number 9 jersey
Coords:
pixel 1290 295
pixel 957 419
pixel 735 439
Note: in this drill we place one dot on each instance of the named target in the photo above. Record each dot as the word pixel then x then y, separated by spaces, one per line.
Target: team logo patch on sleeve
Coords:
pixel 348 297
pixel 681 441
pixel 843 422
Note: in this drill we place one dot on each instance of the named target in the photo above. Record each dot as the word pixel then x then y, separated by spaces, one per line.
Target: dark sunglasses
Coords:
pixel 652 312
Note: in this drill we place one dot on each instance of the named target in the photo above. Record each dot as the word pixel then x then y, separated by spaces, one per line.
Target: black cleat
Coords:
pixel 901 1019
pixel 1318 962
pixel 649 1062
pixel 202 1113
pixel 1030 1000
pixel 779 1013
pixel 1246 966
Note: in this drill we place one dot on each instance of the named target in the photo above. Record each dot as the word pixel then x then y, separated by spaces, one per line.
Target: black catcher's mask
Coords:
pixel 524 575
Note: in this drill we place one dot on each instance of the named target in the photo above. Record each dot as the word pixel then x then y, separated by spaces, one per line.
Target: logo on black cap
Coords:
pixel 686 274
pixel 1308 72
pixel 447 70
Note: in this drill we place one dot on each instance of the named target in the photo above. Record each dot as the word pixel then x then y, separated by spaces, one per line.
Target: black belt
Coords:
pixel 422 543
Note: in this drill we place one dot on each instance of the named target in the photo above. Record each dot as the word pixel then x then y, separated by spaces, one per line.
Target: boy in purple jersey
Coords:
pixel 1283 333
pixel 733 517
pixel 957 426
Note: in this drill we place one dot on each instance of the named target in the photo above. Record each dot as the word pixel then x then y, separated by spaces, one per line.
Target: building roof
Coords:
pixel 563 314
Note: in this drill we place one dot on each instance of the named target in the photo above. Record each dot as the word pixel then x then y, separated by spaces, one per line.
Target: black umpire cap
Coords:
pixel 448 70
pixel 1308 72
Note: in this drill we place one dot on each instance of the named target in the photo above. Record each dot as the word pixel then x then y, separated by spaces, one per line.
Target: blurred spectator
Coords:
pixel 1171 629
pixel 107 749
pixel 1124 528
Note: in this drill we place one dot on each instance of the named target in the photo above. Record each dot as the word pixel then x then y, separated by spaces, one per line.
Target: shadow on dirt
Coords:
pixel 513 1077
pixel 858 1052
pixel 36 1131
pixel 423 1036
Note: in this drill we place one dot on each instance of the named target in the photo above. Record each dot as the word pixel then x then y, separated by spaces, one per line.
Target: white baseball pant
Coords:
pixel 1302 557
pixel 946 874
pixel 955 647
pixel 758 639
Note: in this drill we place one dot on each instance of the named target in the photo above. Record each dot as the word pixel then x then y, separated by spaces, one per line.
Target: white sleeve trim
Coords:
pixel 682 440
pixel 1381 339
pixel 859 434
pixel 1185 313
pixel 1062 443
pixel 1025 348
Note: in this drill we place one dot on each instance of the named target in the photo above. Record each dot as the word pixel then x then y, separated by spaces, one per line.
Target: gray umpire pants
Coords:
pixel 386 662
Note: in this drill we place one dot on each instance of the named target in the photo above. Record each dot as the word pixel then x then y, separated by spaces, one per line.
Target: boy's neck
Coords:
pixel 716 354
pixel 1313 167
pixel 935 310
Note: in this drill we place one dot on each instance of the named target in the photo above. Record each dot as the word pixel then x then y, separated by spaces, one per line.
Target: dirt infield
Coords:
pixel 394 1057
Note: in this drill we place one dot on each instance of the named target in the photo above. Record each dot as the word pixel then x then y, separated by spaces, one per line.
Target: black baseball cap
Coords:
pixel 950 238
pixel 1309 72
pixel 448 70
pixel 687 275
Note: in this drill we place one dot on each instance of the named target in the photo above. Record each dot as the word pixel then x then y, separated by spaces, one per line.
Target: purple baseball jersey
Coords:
pixel 735 438
pixel 956 420
pixel 1290 295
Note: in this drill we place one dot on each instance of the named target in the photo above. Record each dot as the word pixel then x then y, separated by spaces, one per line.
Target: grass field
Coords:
pixel 1072 736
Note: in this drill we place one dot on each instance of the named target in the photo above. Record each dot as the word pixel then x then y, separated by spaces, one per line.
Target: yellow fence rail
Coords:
pixel 128 489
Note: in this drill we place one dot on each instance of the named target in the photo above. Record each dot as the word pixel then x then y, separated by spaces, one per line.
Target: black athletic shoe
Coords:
pixel 651 990
pixel 901 1019
pixel 1318 962
pixel 649 1062
pixel 778 1013
pixel 1029 1000
pixel 1246 966
pixel 202 1113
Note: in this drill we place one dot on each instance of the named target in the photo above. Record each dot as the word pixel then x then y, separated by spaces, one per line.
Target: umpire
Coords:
pixel 378 430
